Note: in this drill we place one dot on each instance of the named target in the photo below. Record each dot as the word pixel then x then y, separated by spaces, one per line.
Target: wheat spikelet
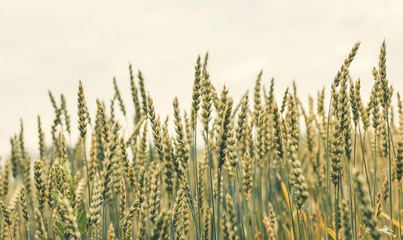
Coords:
pixel 155 194
pixel 177 211
pixel 335 146
pixel 77 206
pixel 142 93
pixel 92 168
pixel 384 99
pixel 188 129
pixel 344 68
pixel 232 221
pixel 1 182
pixel 226 227
pixel 345 117
pixel 94 214
pixel 14 156
pixel 112 117
pixel 270 98
pixel 55 108
pixel 242 117
pixel 162 225
pixel 358 100
pixel 27 177
pixel 82 112
pixel 284 102
pixel 39 184
pixel 399 145
pixel 374 102
pixel 143 222
pixel 119 97
pixel 354 105
pixel 13 202
pixel 63 150
pixel 156 127
pixel 201 193
pixel 257 106
pixel 65 113
pixel 168 162
pixel 182 153
pixel 223 133
pixel 99 135
pixel 278 140
pixel 111 233
pixel 124 159
pixel 108 164
pixel 207 229
pixel 21 141
pixel 185 219
pixel 366 209
pixel 135 97
pixel 24 207
pixel 196 92
pixel 140 188
pixel 51 186
pixel 310 131
pixel 132 177
pixel 128 234
pixel 6 178
pixel 71 231
pixel 122 200
pixel 206 99
pixel 247 173
pixel 42 150
pixel 231 150
pixel 346 224
pixel 6 213
pixel 261 132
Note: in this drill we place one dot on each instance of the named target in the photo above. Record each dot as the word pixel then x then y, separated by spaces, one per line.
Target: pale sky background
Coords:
pixel 50 45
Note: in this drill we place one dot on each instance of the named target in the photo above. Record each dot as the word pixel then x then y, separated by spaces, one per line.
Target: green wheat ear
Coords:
pixel 39 184
pixel 346 224
pixel 6 214
pixel 365 206
pixel 119 97
pixel 196 91
pixel 71 227
pixel 399 147
pixel 82 111
pixel 156 127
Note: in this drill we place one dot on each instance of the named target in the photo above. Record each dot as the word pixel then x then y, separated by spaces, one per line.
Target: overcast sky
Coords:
pixel 49 45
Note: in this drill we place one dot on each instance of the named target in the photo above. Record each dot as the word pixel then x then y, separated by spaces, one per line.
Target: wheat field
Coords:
pixel 253 169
